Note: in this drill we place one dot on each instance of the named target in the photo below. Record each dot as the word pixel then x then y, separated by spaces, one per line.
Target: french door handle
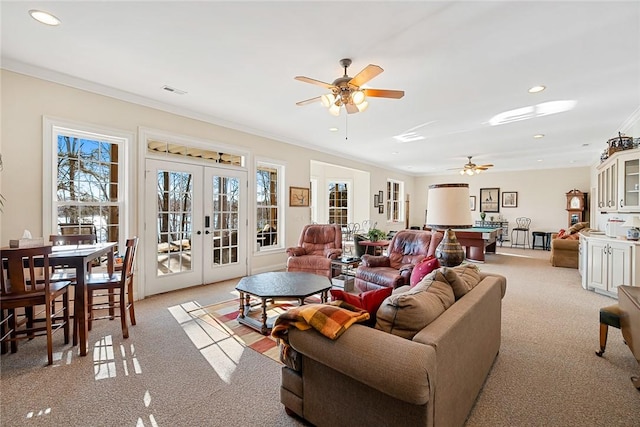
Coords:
pixel 198 232
pixel 207 232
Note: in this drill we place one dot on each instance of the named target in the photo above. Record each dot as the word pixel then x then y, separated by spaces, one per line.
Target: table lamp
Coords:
pixel 633 233
pixel 447 208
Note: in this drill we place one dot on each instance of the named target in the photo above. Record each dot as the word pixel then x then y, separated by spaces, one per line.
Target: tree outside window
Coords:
pixel 267 201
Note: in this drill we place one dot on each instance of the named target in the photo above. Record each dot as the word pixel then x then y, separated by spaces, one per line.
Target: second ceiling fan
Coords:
pixel 471 168
pixel 347 91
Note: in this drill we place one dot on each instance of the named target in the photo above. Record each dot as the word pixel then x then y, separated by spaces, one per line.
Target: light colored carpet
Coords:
pixel 168 373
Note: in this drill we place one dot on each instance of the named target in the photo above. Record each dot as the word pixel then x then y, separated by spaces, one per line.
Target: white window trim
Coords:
pixel 349 183
pixel 281 166
pixel 51 126
pixel 401 204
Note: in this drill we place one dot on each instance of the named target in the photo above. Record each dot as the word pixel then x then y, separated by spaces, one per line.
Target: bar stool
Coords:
pixel 534 238
pixel 522 227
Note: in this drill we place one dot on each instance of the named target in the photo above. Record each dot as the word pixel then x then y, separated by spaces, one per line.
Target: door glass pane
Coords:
pixel 174 221
pixel 224 217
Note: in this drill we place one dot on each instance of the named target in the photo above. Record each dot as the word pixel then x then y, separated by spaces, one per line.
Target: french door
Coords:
pixel 195 225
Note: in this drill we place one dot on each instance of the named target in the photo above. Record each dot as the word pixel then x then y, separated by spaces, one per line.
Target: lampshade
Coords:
pixel 334 110
pixel 327 100
pixel 363 106
pixel 357 97
pixel 448 206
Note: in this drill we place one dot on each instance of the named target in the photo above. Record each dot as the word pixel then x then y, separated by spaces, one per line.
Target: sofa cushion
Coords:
pixel 369 300
pixel 423 268
pixel 405 314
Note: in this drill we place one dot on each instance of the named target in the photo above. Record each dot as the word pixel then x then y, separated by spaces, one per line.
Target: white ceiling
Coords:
pixel 459 63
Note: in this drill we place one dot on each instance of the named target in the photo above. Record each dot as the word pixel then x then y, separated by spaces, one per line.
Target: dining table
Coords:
pixel 79 257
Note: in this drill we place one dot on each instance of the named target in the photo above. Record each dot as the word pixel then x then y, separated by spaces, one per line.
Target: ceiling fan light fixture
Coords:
pixel 358 97
pixel 327 100
pixel 334 110
pixel 363 106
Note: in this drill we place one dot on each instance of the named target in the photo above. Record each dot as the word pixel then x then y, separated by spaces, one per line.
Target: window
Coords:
pixel 338 203
pixel 87 188
pixel 268 201
pixel 395 201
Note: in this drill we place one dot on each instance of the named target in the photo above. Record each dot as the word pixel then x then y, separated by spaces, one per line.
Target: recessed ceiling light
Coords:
pixel 174 90
pixel 333 129
pixel 586 144
pixel 44 17
pixel 538 135
pixel 540 160
pixel 536 89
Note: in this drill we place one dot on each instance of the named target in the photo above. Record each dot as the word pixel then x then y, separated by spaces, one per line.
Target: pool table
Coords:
pixel 477 241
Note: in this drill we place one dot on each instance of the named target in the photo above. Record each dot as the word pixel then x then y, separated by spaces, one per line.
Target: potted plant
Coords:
pixel 375 234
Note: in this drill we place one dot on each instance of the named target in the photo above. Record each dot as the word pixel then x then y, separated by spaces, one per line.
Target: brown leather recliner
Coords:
pixel 318 245
pixel 407 248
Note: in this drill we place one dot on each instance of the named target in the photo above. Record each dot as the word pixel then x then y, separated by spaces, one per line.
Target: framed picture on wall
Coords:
pixel 489 200
pixel 510 199
pixel 376 200
pixel 472 203
pixel 298 196
pixel 381 208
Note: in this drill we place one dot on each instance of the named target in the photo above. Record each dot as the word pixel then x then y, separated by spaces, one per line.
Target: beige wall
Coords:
pixel 25 100
pixel 541 194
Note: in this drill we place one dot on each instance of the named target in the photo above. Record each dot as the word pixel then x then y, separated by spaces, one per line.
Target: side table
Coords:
pixel 343 272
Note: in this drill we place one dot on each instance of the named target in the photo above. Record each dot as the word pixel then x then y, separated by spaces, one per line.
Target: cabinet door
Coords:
pixel 597 256
pixel 628 182
pixel 619 266
pixel 612 187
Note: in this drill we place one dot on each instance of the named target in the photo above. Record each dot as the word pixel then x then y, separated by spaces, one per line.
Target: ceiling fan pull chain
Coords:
pixel 346 127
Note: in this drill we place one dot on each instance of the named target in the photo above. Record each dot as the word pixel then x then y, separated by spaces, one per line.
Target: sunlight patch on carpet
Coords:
pixel 221 340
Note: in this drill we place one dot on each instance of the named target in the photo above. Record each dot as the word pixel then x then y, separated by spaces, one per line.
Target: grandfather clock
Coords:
pixel 575 206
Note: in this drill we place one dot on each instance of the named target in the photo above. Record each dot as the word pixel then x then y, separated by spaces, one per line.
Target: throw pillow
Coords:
pixel 369 300
pixel 561 233
pixel 405 314
pixel 423 268
pixel 462 278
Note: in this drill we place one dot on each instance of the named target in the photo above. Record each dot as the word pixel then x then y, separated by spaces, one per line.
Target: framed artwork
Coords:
pixel 510 199
pixel 376 200
pixel 380 208
pixel 298 196
pixel 380 196
pixel 472 203
pixel 489 200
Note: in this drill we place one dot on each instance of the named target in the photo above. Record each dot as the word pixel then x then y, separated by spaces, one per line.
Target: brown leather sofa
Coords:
pixel 565 249
pixel 318 245
pixel 406 249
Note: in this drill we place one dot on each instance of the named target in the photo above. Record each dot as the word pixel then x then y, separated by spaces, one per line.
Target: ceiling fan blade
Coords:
pixel 308 101
pixel 384 93
pixel 351 108
pixel 367 73
pixel 314 82
pixel 484 166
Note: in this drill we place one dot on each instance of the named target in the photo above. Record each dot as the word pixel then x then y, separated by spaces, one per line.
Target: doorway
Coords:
pixel 195 225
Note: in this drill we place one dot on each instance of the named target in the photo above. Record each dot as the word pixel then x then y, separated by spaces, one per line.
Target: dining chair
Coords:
pixel 119 291
pixel 60 272
pixel 28 298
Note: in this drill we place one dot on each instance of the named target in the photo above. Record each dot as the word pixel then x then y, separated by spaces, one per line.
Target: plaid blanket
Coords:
pixel 331 320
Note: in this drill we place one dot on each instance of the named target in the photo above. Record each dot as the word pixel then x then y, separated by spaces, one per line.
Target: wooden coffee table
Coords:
pixel 277 285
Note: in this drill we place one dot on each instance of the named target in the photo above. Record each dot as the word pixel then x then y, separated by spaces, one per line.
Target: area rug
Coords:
pixel 222 318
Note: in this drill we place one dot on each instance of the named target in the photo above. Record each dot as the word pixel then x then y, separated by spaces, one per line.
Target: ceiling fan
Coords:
pixel 347 91
pixel 471 168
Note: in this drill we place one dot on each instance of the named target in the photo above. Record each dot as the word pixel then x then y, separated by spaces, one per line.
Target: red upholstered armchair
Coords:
pixel 318 245
pixel 406 249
